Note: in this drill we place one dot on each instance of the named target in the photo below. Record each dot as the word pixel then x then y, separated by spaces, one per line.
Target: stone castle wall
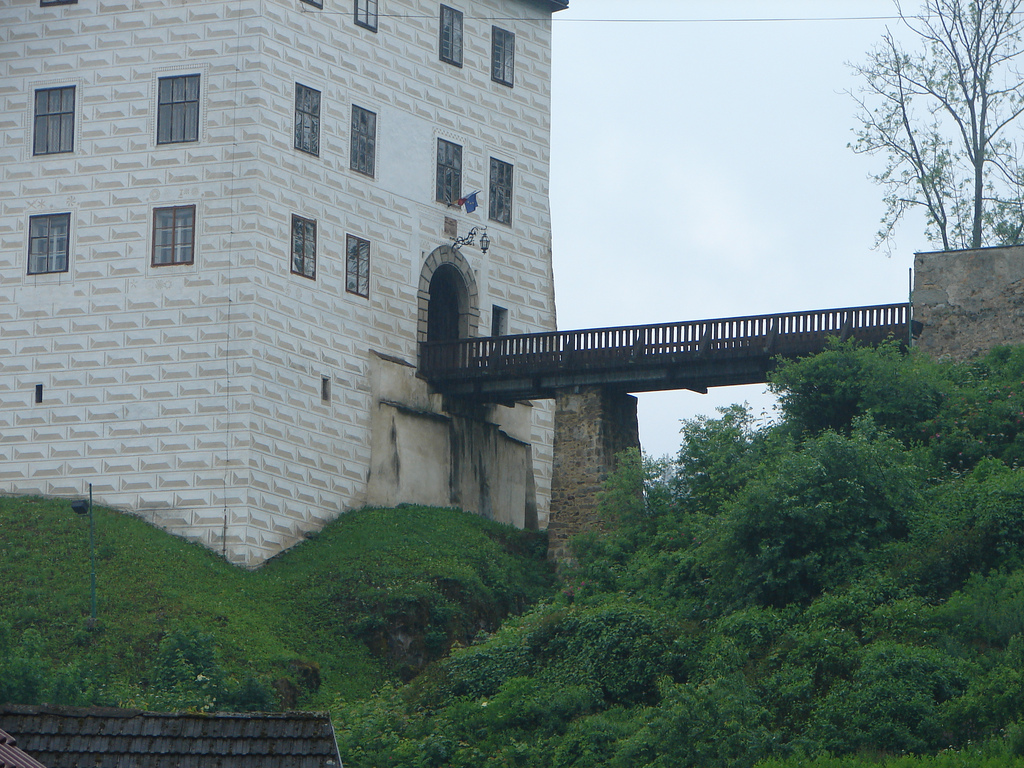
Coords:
pixel 592 424
pixel 969 301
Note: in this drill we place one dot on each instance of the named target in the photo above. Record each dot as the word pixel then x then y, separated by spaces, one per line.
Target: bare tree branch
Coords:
pixel 954 164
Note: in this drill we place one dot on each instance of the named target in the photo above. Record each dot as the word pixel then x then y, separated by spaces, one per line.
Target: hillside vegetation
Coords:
pixel 371 599
pixel 842 588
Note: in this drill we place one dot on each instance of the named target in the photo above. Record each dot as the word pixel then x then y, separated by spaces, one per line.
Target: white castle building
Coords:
pixel 225 228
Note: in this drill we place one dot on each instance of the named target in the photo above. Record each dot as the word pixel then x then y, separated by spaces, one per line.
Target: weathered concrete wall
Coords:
pixel 591 426
pixel 969 301
pixel 424 452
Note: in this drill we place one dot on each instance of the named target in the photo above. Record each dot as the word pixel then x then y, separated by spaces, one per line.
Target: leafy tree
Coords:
pixel 941 116
pixel 807 521
pixel 830 390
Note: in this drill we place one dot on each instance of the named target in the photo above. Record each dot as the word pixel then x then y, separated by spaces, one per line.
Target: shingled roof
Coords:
pixel 68 737
pixel 12 757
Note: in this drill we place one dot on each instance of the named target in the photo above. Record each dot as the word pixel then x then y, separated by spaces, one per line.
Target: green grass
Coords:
pixel 330 604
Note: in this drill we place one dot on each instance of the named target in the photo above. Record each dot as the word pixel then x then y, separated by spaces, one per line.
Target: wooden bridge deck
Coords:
pixel 689 355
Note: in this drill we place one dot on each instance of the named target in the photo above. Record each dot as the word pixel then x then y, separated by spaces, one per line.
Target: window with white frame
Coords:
pixel 366 14
pixel 177 117
pixel 503 56
pixel 500 207
pixel 48 242
pixel 449 172
pixel 304 247
pixel 174 235
pixel 357 266
pixel 307 119
pixel 54 124
pixel 363 140
pixel 451 36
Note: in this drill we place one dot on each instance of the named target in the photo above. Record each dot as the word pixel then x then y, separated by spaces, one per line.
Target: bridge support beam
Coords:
pixel 592 424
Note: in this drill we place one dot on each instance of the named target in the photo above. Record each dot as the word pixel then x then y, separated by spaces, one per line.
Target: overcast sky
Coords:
pixel 700 169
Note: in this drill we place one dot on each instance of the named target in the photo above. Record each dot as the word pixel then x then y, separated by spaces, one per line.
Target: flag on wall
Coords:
pixel 469 201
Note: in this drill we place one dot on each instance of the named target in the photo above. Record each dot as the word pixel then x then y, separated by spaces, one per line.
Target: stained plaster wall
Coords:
pixel 428 452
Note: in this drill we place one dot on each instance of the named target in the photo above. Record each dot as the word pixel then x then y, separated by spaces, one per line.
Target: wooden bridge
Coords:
pixel 691 355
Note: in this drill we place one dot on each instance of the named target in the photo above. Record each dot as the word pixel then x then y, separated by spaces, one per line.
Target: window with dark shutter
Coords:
pixel 503 56
pixel 49 236
pixel 304 247
pixel 177 118
pixel 451 36
pixel 449 172
pixel 54 128
pixel 174 233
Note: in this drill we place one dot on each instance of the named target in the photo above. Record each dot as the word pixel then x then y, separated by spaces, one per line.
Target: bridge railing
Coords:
pixel 791 333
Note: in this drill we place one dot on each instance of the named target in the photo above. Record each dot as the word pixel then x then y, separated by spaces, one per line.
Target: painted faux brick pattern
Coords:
pixel 190 394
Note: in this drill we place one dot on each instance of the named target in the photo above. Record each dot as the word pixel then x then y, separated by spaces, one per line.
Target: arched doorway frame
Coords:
pixel 469 312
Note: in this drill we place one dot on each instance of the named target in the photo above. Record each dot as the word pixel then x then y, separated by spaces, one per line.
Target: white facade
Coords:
pixel 193 394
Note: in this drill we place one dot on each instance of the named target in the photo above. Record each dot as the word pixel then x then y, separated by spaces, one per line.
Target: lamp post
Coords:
pixel 485 241
pixel 83 507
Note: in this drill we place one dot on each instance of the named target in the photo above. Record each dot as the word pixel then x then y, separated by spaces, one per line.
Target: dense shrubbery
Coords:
pixel 847 582
pixel 841 588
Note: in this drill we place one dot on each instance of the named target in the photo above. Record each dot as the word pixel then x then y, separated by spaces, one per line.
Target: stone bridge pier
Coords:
pixel 592 424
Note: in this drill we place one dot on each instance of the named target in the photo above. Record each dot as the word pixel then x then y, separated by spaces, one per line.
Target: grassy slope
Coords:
pixel 301 608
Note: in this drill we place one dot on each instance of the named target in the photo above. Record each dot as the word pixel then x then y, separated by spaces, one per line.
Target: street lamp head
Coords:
pixel 485 242
pixel 80 506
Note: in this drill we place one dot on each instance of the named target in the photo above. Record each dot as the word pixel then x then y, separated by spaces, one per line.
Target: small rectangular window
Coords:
pixel 325 389
pixel 449 172
pixel 503 56
pixel 366 14
pixel 451 35
pixel 500 208
pixel 357 266
pixel 39 393
pixel 177 117
pixel 54 121
pixel 499 320
pixel 364 140
pixel 304 247
pixel 314 3
pixel 44 3
pixel 307 119
pixel 174 234
pixel 48 243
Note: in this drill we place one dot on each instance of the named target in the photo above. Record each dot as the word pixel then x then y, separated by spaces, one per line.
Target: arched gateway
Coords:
pixel 449 306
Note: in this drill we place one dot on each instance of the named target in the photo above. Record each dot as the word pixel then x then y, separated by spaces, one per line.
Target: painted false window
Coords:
pixel 177 117
pixel 307 119
pixel 503 56
pixel 357 266
pixel 364 141
pixel 500 207
pixel 449 172
pixel 366 14
pixel 304 247
pixel 451 35
pixel 174 235
pixel 49 237
pixel 54 129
